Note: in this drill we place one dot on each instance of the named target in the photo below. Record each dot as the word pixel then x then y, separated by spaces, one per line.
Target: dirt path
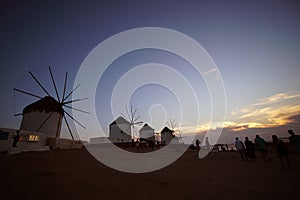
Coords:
pixel 75 174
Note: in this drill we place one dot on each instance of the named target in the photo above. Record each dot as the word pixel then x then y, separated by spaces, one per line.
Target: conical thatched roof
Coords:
pixel 119 120
pixel 166 130
pixel 46 104
pixel 146 127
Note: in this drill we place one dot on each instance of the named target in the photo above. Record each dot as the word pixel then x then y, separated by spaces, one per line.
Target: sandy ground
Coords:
pixel 75 174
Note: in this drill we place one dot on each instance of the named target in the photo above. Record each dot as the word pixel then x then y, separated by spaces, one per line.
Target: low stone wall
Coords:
pixel 62 143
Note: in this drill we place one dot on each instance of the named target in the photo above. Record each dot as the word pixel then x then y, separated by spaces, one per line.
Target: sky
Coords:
pixel 254 44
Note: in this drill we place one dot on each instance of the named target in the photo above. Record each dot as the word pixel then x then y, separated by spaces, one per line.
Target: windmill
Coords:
pixel 133 120
pixel 172 124
pixel 46 114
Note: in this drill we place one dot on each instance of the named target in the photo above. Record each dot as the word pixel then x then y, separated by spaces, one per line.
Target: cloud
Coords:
pixel 212 70
pixel 276 98
pixel 205 126
pixel 274 114
pixel 276 110
pixel 234 126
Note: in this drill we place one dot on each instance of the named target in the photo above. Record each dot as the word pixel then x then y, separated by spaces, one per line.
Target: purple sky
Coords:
pixel 255 45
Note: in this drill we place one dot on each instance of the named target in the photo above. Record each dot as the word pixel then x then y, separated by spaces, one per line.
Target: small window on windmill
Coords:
pixel 33 138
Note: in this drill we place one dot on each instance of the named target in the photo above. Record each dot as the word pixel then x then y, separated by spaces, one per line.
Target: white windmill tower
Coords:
pixel 46 114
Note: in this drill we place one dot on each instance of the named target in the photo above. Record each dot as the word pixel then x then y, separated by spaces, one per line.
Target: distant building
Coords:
pixel 97 140
pixel 147 133
pixel 28 140
pixel 33 141
pixel 120 131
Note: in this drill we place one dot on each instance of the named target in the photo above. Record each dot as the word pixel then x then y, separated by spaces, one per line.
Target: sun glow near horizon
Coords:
pixel 268 113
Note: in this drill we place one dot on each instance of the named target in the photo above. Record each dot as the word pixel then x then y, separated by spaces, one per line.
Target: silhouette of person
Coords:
pixel 132 142
pixel 16 138
pixel 197 144
pixel 282 152
pixel 223 148
pixel 294 139
pixel 239 145
pixel 262 147
pixel 207 143
pixel 137 144
pixel 250 149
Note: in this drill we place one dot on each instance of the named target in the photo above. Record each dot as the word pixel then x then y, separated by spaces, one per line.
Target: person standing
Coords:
pixel 198 144
pixel 239 145
pixel 262 147
pixel 250 149
pixel 207 144
pixel 16 138
pixel 294 139
pixel 137 144
pixel 282 152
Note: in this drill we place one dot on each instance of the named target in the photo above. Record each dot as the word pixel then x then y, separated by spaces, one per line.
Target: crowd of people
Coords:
pixel 247 149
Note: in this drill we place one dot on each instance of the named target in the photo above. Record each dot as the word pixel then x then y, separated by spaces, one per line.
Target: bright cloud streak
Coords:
pixel 276 99
pixel 274 111
pixel 271 112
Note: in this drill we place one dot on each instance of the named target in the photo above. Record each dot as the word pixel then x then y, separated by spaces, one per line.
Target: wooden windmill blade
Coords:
pixel 28 93
pixel 65 86
pixel 70 93
pixel 61 103
pixel 68 127
pixel 54 84
pixel 129 118
pixel 36 80
pixel 132 119
pixel 44 122
pixel 18 114
pixel 83 111
pixel 75 120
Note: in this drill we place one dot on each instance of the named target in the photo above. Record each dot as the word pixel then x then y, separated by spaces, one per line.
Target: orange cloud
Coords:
pixel 276 110
pixel 271 112
pixel 276 98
